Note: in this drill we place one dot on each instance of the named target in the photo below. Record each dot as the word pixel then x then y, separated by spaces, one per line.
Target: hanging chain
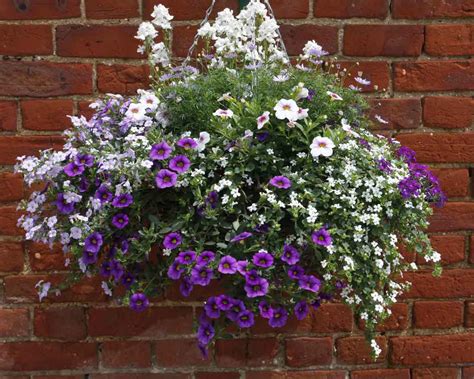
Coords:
pixel 282 43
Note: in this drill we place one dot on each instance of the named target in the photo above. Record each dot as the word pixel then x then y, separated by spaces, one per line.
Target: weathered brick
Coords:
pixel 104 9
pixel 8 113
pixel 377 72
pixel 11 187
pixel 351 8
pixel 381 373
pixel 308 374
pixel 39 9
pixel 126 354
pixel 399 113
pixel 179 353
pixel 26 39
pixel 295 37
pixel 438 314
pixel 454 283
pixel 453 217
pixel 291 8
pixel 356 351
pixel 469 315
pixel 253 352
pixel 64 323
pixel 436 373
pixel 13 146
pixel 398 320
pixel 46 114
pixel 308 351
pixel 454 182
pixel 451 248
pixel 11 256
pixel 448 112
pixel 449 39
pixel 418 9
pixel 167 375
pixel 14 322
pixel 43 258
pixel 8 220
pixel 124 79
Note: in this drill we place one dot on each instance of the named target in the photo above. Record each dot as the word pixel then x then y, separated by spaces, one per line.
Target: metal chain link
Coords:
pixel 282 43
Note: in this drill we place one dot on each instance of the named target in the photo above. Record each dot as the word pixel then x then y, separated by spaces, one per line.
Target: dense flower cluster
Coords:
pixel 255 173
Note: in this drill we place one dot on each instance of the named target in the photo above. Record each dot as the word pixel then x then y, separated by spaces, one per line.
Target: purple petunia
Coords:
pixel 409 187
pixel 127 280
pixel 186 287
pixel 265 309
pixel 212 199
pixel 295 272
pixel 73 169
pixel 205 258
pixel 186 257
pixel 321 237
pixel 224 302
pixel 236 307
pixel 165 178
pixel 407 154
pixel 245 319
pixel 227 265
pixel 122 201
pixel 187 143
pixel 212 308
pixel 242 236
pixel 252 277
pixel 103 194
pixel 175 271
pixel 172 240
pixel 301 310
pixel 105 269
pixel 139 302
pixel 260 288
pixel 262 259
pixel 384 166
pixel 242 267
pixel 279 317
pixel 201 275
pixel 205 333
pixel 290 255
pixel 120 220
pixel 63 205
pixel 84 160
pixel 89 257
pixel 180 164
pixel 280 182
pixel 116 269
pixel 160 151
pixel 309 283
pixel 83 185
pixel 93 242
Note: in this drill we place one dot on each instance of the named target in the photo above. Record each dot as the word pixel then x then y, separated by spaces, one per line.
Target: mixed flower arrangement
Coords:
pixel 244 169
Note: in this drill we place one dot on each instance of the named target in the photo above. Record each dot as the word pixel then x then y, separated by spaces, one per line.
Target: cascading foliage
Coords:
pixel 242 169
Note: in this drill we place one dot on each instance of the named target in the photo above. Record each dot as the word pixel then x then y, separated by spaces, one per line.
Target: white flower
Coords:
pixel 282 77
pixel 149 100
pixel 206 31
pixel 362 81
pixel 252 208
pixel 223 113
pixel 43 289
pixel 161 17
pixel 346 127
pixel 263 119
pixel 322 146
pixel 146 163
pixel 334 96
pixel 301 91
pixel 286 109
pixel 204 138
pixel 312 48
pixel 136 112
pixel 145 30
pixel 76 233
pixel 159 54
pixel 380 119
pixel 302 113
pixel 106 289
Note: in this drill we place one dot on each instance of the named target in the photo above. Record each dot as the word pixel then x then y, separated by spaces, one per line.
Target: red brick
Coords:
pixel 59 377
pixel 308 351
pixel 217 375
pixel 453 217
pixel 260 352
pixel 42 79
pixel 398 320
pixel 434 76
pixel 448 112
pixel 181 9
pixel 295 37
pixel 126 354
pixel 429 350
pixel 8 113
pixel 13 146
pixel 64 323
pixel 436 373
pixel 356 350
pixel 179 353
pixel 312 374
pixel 441 147
pixel 351 8
pixel 399 113
pixel 438 314
pixel 449 39
pixel 14 322
pixel 470 315
pixel 452 284
pixel 376 72
pixel 168 375
pixel 454 182
pixel 11 256
pixel 381 373
pixel 103 9
pixel 8 219
pixel 183 36
pixel 111 41
pixel 383 40
pixel 43 258
pixel 290 8
pixel 154 322
pixel 39 9
pixel 124 79
pixel 11 187
pixel 83 108
pixel 26 40
pixel 332 318
pixel 29 356
pixel 418 9
pixel 451 247
pixel 471 255
pixel 46 114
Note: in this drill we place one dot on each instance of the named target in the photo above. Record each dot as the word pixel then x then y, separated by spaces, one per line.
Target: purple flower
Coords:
pixel 212 199
pixel 301 310
pixel 321 237
pixel 186 257
pixel 384 166
pixel 242 236
pixel 186 287
pixel 120 220
pixel 262 136
pixel 206 333
pixel 122 201
pixel 257 289
pixel 187 143
pixel 105 269
pixel 73 169
pixel 224 302
pixel 180 164
pixel 160 151
pixel 62 204
pixel 116 269
pixel 245 319
pixel 280 182
pixel 201 275
pixel 236 307
pixel 279 317
pixel 93 242
pixel 205 257
pixel 103 194
pixel 295 272
pixel 165 178
pixel 290 255
pixel 409 187
pixel 227 265
pixel 127 280
pixel 139 302
pixel 212 308
pixel 242 267
pixel 309 283
pixel 262 259
pixel 252 277
pixel 84 160
pixel 83 185
pixel 89 257
pixel 407 154
pixel 265 309
pixel 172 240
pixel 175 271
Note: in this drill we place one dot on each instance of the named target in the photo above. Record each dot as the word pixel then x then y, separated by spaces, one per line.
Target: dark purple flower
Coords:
pixel 407 154
pixel 186 287
pixel 204 350
pixel 186 257
pixel 84 160
pixel 279 317
pixel 280 182
pixel 224 302
pixel 105 269
pixel 409 187
pixel 139 302
pixel 93 242
pixel 384 166
pixel 187 143
pixel 309 283
pixel 242 267
pixel 122 201
pixel 265 309
pixel 262 136
pixel 295 272
pixel 83 185
pixel 365 143
pixel 252 277
pixel 262 259
pixel 89 257
pixel 127 280
pixel 116 269
pixel 124 245
pixel 257 289
pixel 242 236
pixel 160 151
pixel 180 164
pixel 206 333
pixel 290 255
pixel 120 220
pixel 62 204
pixel 201 275
pixel 172 240
pixel 262 228
pixel 211 308
pixel 311 94
pixel 236 307
pixel 103 194
pixel 175 271
pixel 165 178
pixel 321 237
pixel 245 319
pixel 301 310
pixel 73 169
pixel 227 265
pixel 316 304
pixel 205 257
pixel 212 199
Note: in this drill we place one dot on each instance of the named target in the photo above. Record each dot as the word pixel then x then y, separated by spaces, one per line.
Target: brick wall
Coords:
pixel 57 55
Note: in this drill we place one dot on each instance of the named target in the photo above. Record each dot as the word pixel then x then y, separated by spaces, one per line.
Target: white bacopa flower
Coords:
pixel 286 109
pixel 161 17
pixel 136 112
pixel 322 146
pixel 362 81
pixel 334 96
pixel 263 119
pixel 380 119
pixel 146 30
pixel 223 113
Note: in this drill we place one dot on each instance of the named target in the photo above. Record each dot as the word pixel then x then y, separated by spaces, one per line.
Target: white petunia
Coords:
pixel 204 138
pixel 263 119
pixel 223 113
pixel 136 112
pixel 334 96
pixel 149 100
pixel 302 113
pixel 322 146
pixel 286 109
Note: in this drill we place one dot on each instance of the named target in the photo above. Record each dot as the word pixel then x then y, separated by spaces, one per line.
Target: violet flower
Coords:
pixel 301 310
pixel 180 164
pixel 172 240
pixel 242 236
pixel 227 265
pixel 165 179
pixel 73 169
pixel 290 255
pixel 257 289
pixel 321 237
pixel 120 220
pixel 160 151
pixel 279 317
pixel 122 201
pixel 187 143
pixel 262 259
pixel 280 182
pixel 139 302
pixel 245 319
